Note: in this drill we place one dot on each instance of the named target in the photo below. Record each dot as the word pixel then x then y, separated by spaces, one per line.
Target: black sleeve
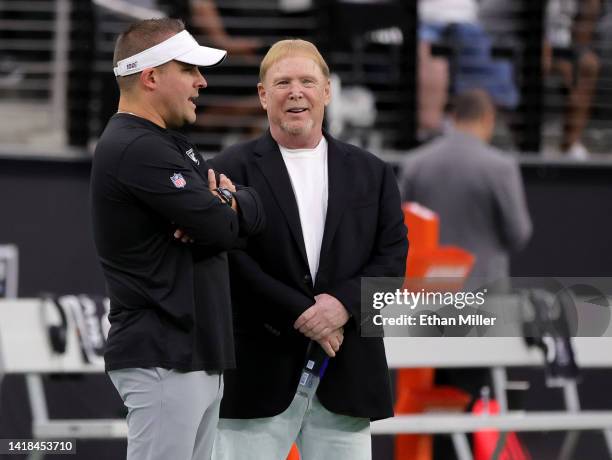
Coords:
pixel 156 173
pixel 251 214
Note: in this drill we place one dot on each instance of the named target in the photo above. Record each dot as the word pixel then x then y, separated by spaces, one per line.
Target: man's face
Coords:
pixel 179 84
pixel 294 92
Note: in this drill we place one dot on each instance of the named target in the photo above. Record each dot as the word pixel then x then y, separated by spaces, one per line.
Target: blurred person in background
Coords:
pixel 201 14
pixel 477 192
pixel 162 222
pixel 206 23
pixel 433 79
pixel 475 189
pixel 337 218
pixel 467 63
pixel 205 17
pixel 568 51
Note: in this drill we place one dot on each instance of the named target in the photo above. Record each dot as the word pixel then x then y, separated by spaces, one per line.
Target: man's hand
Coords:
pixel 331 344
pixel 325 316
pixel 224 182
pixel 180 234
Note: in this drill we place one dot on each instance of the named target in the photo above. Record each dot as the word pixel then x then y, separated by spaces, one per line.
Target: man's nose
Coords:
pixel 295 91
pixel 201 81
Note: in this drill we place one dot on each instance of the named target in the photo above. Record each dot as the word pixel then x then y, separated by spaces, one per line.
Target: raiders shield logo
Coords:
pixel 191 154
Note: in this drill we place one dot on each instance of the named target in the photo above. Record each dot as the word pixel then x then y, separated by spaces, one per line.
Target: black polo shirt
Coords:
pixel 170 301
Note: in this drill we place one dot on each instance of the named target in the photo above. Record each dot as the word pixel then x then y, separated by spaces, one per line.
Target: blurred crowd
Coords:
pixel 456 45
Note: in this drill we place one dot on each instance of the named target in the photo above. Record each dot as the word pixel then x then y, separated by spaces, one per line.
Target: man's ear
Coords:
pixel 148 78
pixel 327 92
pixel 262 95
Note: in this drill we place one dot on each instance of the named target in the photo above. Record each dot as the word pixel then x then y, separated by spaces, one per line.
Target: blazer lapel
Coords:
pixel 339 184
pixel 270 162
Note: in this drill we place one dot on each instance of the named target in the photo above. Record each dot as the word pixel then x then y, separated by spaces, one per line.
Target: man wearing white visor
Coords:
pixel 162 224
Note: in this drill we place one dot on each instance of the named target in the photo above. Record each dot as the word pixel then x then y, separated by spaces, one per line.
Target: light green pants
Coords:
pixel 319 434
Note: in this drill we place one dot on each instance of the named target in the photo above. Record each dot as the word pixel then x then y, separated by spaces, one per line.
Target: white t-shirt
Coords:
pixel 308 173
pixel 448 11
pixel 560 21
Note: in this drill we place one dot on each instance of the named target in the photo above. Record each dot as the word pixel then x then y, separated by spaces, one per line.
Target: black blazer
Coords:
pixel 364 235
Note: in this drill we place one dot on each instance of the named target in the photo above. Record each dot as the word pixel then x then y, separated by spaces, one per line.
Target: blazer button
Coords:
pixel 307 279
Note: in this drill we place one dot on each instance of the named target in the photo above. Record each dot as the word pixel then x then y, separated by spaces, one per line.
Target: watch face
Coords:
pixel 226 194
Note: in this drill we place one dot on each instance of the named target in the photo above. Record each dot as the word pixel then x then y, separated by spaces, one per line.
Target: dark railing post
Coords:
pixel 408 77
pixel 531 109
pixel 81 58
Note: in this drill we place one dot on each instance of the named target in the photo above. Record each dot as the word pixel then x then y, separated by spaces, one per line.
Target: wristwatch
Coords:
pixel 225 195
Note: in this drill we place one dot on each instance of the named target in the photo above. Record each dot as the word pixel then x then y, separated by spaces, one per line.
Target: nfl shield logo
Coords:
pixel 178 180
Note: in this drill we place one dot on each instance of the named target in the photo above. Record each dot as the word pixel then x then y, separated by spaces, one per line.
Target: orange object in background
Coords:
pixel 415 393
pixel 423 227
pixel 432 268
pixel 426 259
pixel 294 454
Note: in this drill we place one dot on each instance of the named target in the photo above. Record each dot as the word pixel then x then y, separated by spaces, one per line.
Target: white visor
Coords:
pixel 180 47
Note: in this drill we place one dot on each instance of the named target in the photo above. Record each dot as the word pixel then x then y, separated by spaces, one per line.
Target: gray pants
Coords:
pixel 171 414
